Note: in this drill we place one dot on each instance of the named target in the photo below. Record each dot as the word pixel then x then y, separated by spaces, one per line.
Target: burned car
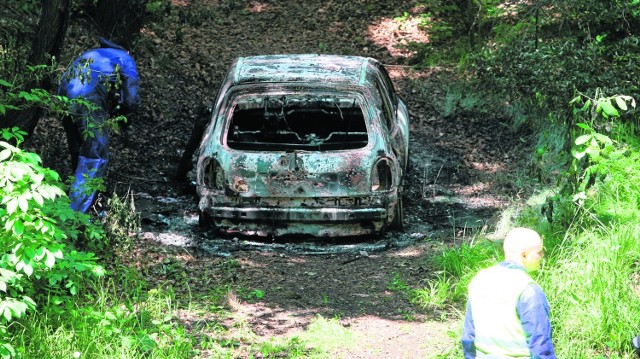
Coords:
pixel 304 144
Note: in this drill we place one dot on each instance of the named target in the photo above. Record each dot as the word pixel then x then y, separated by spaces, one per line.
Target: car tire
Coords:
pixel 398 219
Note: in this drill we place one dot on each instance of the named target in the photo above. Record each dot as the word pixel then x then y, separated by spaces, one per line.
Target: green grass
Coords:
pixel 592 290
pixel 107 324
pixel 120 317
pixel 436 294
pixel 318 340
pixel 591 271
pixel 593 284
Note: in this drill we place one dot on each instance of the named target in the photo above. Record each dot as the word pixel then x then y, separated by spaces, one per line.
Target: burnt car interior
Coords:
pixel 297 122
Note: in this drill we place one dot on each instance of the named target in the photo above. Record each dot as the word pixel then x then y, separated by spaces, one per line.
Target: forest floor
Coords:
pixel 463 166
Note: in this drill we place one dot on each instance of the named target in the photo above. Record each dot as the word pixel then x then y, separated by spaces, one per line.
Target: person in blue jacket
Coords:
pixel 107 78
pixel 507 311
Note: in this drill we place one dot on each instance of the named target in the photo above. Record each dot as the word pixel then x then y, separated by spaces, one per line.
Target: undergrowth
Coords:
pixel 590 272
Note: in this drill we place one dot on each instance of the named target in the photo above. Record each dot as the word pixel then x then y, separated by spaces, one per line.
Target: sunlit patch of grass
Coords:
pixel 326 335
pixel 290 348
pixel 320 338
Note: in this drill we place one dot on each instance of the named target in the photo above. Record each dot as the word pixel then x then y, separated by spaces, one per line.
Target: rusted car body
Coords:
pixel 304 144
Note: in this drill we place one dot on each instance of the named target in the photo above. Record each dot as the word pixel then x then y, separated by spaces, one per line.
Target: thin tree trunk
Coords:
pixel 119 20
pixel 52 27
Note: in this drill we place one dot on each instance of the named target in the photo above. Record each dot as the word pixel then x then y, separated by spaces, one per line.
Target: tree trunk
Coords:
pixel 119 20
pixel 52 27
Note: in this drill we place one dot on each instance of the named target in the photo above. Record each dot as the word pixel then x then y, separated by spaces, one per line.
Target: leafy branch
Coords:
pixel 591 151
pixel 38 228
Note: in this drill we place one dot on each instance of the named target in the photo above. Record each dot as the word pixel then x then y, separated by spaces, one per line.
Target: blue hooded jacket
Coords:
pixel 96 76
pixel 93 72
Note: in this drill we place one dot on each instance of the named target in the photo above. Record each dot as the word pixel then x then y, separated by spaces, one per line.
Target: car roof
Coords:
pixel 305 68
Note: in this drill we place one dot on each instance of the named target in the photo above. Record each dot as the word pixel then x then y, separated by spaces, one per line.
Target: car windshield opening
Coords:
pixel 297 122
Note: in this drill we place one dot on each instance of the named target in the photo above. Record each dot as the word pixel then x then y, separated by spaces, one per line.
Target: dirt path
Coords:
pixel 301 282
pixel 459 167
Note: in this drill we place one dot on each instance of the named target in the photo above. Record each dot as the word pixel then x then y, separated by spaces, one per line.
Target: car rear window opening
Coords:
pixel 297 122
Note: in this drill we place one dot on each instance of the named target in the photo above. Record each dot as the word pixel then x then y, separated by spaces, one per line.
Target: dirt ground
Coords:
pixel 459 182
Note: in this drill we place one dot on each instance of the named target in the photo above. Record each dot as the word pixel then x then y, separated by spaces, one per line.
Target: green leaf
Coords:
pixel 5 83
pixel 5 154
pixel 39 253
pixel 603 139
pixel 30 303
pixel 23 203
pixel 34 97
pixel 8 225
pixel 575 99
pixel 7 351
pixel 38 198
pixel 25 266
pixel 608 109
pixel 579 154
pixel 18 227
pixel 582 139
pixel 621 103
pixel 18 309
pixel 50 260
pixel 110 316
pixel 12 205
pixel 99 271
pixel 584 126
pixel 6 313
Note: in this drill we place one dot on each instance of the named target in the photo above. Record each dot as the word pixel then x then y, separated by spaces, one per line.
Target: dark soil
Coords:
pixel 462 167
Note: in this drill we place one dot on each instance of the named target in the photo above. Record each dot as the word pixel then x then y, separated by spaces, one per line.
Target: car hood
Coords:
pixel 298 173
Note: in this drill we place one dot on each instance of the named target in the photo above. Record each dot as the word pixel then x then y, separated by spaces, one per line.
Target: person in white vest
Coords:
pixel 507 311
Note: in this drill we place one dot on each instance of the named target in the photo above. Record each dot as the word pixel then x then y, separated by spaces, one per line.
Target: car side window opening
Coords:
pixel 387 115
pixel 388 84
pixel 297 122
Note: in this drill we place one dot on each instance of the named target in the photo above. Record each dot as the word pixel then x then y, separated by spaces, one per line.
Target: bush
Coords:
pixel 39 229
